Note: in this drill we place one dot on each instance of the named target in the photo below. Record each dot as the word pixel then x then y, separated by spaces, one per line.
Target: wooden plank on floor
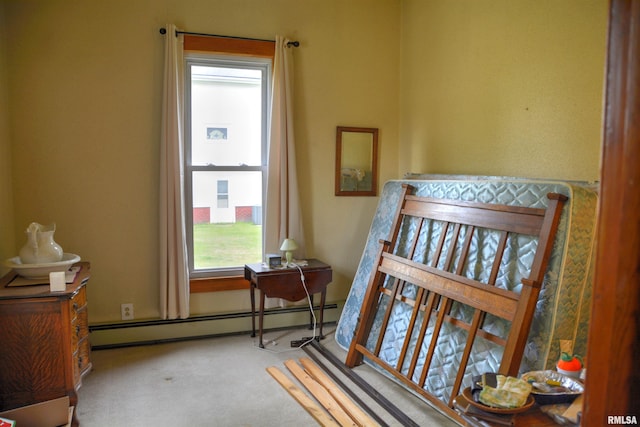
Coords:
pixel 309 405
pixel 321 394
pixel 358 415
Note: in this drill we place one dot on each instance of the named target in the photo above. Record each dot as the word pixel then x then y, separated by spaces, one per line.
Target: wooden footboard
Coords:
pixel 443 279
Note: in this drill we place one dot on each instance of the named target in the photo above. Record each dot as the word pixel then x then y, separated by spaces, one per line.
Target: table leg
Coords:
pixel 323 297
pixel 252 291
pixel 311 313
pixel 261 318
pixel 73 402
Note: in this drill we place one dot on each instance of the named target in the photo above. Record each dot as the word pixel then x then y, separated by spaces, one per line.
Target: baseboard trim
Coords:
pixel 196 337
pixel 156 331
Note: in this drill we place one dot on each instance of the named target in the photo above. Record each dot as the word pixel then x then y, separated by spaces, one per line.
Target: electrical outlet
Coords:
pixel 126 310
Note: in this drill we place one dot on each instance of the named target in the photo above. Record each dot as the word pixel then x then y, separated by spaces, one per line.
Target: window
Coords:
pixel 223 194
pixel 226 99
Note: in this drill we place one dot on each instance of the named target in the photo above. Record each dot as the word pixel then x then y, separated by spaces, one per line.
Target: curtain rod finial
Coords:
pixel 163 31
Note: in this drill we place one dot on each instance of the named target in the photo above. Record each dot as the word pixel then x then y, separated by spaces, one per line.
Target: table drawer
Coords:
pixel 289 286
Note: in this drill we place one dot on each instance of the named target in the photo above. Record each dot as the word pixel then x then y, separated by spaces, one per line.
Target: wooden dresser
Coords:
pixel 44 340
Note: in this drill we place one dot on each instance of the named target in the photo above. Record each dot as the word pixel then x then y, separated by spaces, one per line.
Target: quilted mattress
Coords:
pixel 563 308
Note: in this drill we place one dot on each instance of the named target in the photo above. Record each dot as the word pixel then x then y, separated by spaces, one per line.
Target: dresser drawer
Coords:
pixel 80 346
pixel 81 360
pixel 78 302
pixel 79 328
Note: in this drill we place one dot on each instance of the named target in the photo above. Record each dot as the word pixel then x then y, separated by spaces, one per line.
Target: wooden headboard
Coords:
pixel 443 280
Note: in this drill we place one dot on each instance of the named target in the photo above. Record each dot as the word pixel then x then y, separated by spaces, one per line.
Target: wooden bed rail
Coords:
pixel 441 279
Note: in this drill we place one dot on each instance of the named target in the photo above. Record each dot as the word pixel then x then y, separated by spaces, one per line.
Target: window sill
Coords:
pixel 218 284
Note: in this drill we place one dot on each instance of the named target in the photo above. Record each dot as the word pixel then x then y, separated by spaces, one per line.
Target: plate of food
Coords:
pixel 499 394
pixel 550 387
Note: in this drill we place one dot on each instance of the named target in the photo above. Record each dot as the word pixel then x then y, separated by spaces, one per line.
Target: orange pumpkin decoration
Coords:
pixel 569 362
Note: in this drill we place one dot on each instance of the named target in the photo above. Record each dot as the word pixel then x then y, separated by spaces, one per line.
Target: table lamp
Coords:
pixel 288 246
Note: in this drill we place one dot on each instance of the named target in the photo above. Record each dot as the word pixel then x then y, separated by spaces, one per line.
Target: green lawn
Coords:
pixel 226 245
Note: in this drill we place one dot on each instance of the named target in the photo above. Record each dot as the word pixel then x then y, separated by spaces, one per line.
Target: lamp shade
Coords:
pixel 289 245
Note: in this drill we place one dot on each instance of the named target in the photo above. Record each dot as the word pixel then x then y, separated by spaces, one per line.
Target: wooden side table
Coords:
pixel 286 283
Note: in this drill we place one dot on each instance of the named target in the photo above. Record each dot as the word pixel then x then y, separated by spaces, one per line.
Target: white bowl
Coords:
pixel 41 270
pixel 572 374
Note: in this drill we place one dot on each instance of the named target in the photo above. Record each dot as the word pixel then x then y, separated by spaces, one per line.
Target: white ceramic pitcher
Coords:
pixel 40 247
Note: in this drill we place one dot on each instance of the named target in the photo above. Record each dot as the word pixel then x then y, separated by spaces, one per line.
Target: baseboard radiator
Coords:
pixel 156 331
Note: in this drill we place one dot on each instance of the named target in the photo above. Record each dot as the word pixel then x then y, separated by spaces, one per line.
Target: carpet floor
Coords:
pixel 217 382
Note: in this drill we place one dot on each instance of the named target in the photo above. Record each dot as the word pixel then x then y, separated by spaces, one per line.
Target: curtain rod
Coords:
pixel 164 31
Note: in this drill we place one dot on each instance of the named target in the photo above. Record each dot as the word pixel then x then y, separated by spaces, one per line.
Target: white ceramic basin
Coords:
pixel 41 270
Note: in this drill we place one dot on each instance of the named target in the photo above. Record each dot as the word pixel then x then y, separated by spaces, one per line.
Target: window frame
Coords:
pixel 222 195
pixel 242 52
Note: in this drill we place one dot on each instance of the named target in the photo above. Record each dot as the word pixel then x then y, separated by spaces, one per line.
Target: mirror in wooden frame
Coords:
pixel 356 161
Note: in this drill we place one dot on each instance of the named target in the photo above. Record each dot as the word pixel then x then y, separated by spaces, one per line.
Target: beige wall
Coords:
pixel 6 191
pixel 84 90
pixel 483 87
pixel 503 87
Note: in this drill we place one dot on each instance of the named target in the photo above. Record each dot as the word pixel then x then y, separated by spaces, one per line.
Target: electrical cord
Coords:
pixel 313 314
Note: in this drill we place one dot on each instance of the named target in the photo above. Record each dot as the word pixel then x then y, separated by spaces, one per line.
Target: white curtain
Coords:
pixel 283 215
pixel 174 275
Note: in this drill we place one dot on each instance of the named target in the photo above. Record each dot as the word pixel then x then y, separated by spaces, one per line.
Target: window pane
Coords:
pixel 223 201
pixel 226 116
pixel 227 236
